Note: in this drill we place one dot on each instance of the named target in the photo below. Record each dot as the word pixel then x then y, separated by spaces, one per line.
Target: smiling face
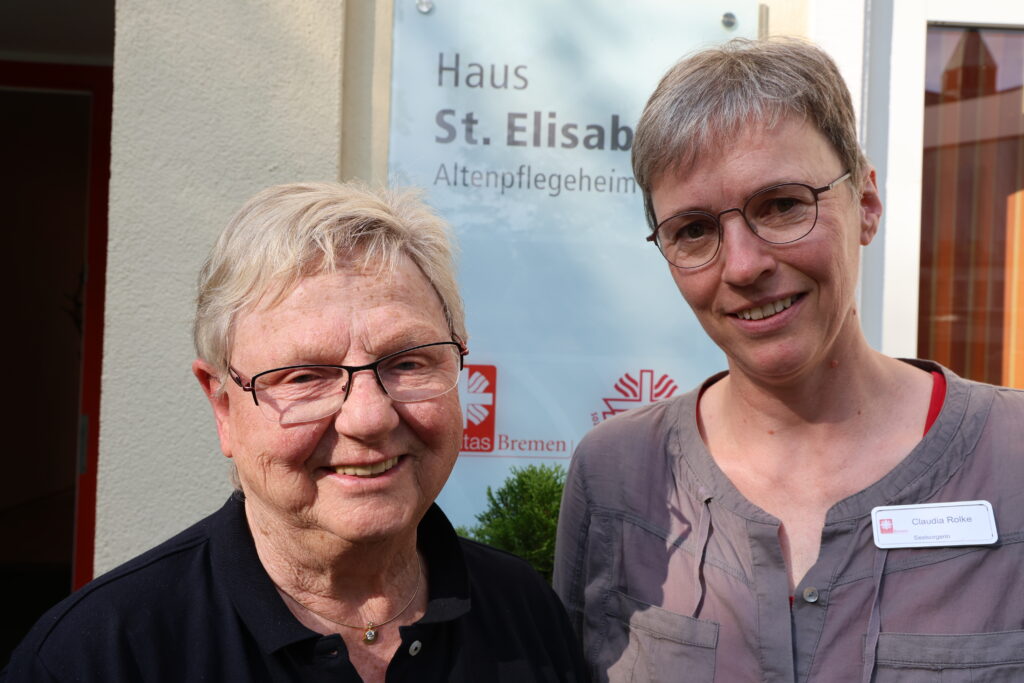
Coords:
pixel 776 310
pixel 370 471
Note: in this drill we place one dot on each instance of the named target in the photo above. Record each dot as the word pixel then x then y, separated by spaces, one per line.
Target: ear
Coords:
pixel 216 394
pixel 870 207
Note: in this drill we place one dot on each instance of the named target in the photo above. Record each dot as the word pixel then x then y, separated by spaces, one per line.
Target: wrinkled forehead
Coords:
pixel 329 316
pixel 350 284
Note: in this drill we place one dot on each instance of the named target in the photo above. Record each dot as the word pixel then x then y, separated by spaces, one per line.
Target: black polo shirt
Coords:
pixel 200 607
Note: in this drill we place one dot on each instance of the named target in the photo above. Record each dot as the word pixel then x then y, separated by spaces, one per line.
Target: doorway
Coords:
pixel 55 121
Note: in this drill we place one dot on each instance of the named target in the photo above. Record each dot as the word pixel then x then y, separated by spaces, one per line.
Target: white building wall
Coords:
pixel 216 100
pixel 212 102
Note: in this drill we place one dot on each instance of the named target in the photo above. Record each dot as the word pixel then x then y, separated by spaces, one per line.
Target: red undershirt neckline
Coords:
pixel 934 405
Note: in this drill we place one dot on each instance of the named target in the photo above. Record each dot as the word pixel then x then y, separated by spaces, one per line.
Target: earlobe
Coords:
pixel 870 207
pixel 216 394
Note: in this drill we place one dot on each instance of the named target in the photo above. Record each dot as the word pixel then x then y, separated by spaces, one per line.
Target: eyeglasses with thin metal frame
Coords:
pixel 778 214
pixel 305 393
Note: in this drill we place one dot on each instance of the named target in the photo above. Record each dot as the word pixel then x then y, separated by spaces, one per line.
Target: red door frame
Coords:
pixel 97 81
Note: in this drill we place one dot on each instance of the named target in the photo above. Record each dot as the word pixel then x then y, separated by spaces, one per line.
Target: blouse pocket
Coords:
pixel 954 658
pixel 648 643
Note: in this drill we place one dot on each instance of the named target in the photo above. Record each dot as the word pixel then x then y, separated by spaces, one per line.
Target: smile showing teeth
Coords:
pixel 367 470
pixel 766 311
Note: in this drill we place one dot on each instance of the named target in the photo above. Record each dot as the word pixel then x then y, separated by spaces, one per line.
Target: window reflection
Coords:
pixel 971 309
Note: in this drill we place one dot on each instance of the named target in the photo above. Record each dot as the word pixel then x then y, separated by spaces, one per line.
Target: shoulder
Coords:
pixel 986 406
pixel 96 625
pixel 625 453
pixel 458 564
pixel 979 433
pixel 1007 405
pixel 640 429
pixel 505 584
pixel 519 616
pixel 491 569
pixel 139 581
pixel 1003 416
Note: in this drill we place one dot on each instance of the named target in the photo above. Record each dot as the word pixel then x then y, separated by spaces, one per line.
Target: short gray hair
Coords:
pixel 289 232
pixel 710 96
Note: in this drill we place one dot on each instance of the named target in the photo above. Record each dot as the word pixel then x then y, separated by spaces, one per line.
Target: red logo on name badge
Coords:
pixel 885 526
pixel 477 392
pixel 637 392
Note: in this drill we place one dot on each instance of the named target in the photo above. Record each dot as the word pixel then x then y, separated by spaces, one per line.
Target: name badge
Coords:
pixel 968 522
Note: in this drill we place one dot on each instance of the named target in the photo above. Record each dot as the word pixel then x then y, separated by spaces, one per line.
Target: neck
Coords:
pixel 369 626
pixel 852 389
pixel 338 579
pixel 830 390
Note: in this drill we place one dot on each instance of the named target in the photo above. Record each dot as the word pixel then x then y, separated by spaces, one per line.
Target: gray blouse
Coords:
pixel 670 574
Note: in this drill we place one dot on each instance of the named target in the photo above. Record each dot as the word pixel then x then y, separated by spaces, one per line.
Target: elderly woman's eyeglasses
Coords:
pixel 779 214
pixel 305 393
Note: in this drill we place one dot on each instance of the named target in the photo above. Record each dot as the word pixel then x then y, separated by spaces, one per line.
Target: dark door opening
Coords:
pixel 55 123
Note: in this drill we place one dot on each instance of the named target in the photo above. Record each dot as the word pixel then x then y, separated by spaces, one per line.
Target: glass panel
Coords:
pixel 971 310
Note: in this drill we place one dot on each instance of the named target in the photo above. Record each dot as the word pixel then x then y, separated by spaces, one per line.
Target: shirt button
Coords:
pixel 811 595
pixel 415 648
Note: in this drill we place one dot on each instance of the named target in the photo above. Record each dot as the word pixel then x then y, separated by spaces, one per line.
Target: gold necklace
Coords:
pixel 370 630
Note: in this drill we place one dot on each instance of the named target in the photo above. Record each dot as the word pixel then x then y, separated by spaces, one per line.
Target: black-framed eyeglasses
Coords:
pixel 778 214
pixel 306 393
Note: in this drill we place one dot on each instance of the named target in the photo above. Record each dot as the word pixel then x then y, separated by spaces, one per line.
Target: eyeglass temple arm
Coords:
pixel 463 351
pixel 233 374
pixel 826 188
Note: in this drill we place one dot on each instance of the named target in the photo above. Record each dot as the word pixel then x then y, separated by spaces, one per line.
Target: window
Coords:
pixel 971 296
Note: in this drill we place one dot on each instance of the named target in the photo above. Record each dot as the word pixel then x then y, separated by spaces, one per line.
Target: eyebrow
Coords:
pixel 405 339
pixel 748 195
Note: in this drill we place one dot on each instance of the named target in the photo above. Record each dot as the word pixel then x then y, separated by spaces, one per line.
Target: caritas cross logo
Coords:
pixel 635 392
pixel 885 526
pixel 477 391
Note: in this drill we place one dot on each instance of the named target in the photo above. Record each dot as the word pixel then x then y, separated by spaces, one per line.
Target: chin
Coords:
pixel 384 522
pixel 774 367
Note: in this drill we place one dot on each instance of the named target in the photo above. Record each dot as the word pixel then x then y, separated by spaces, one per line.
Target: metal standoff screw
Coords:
pixel 424 6
pixel 729 20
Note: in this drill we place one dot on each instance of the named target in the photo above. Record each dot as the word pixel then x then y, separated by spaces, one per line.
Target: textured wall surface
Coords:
pixel 212 102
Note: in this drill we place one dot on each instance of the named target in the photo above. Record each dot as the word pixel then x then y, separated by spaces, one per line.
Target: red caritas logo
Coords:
pixel 634 392
pixel 477 392
pixel 885 526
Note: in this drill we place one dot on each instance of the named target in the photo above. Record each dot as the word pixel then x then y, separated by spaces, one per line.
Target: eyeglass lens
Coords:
pixel 307 393
pixel 778 215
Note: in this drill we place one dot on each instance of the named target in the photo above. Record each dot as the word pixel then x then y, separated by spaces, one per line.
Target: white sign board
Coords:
pixel 517 118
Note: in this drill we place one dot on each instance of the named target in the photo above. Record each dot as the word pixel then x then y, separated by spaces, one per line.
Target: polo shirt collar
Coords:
pixel 446 568
pixel 238 570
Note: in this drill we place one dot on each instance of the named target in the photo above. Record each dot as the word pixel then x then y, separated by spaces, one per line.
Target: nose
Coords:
pixel 368 413
pixel 745 257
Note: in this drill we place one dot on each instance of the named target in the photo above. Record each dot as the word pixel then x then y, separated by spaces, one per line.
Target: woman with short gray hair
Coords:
pixel 820 511
pixel 330 337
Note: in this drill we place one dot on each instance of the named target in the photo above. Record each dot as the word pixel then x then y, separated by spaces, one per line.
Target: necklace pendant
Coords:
pixel 370 636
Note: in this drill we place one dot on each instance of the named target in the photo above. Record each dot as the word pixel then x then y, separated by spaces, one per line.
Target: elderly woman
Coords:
pixel 727 534
pixel 330 336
